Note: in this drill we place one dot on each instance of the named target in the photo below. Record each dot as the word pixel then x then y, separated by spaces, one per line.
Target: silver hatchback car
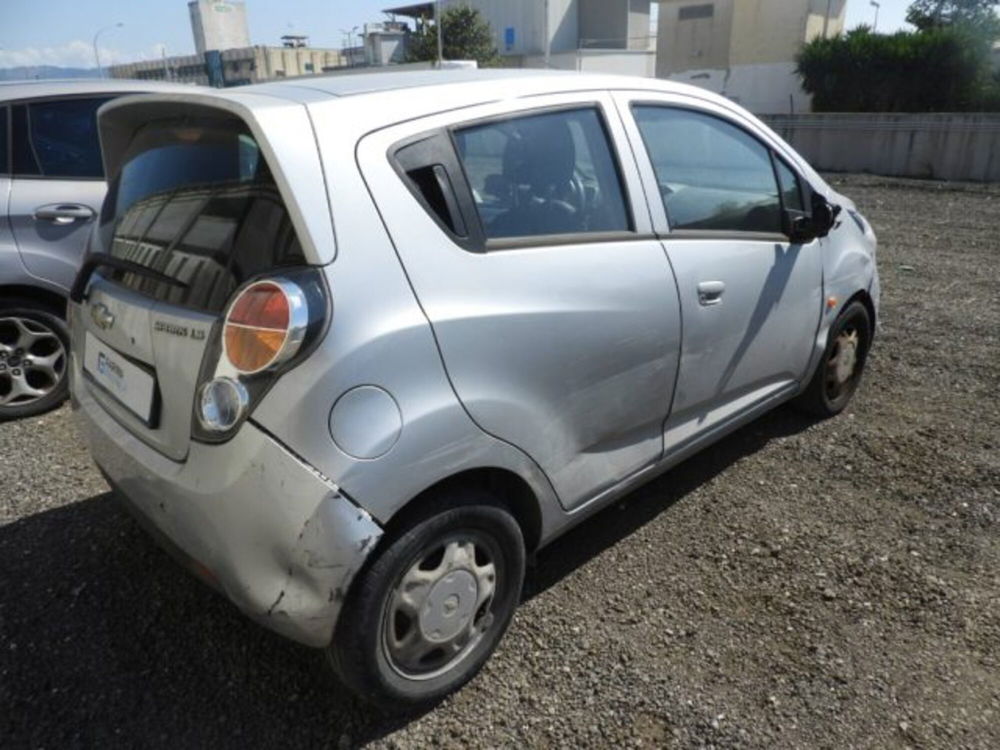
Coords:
pixel 354 347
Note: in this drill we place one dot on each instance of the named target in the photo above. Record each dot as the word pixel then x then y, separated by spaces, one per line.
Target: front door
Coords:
pixel 58 184
pixel 527 241
pixel 751 300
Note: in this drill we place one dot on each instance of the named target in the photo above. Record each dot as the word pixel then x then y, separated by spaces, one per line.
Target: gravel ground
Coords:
pixel 799 585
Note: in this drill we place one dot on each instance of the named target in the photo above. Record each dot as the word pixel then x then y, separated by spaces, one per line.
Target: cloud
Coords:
pixel 75 54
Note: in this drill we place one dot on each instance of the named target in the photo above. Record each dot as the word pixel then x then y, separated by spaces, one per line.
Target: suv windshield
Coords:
pixel 195 201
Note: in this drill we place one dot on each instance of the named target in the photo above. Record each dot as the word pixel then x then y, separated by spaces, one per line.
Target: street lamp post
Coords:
pixel 440 37
pixel 876 6
pixel 97 56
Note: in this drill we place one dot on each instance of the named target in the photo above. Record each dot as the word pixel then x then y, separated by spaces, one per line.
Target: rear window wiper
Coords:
pixel 105 260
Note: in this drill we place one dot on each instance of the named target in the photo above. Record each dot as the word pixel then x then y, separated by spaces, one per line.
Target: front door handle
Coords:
pixel 710 292
pixel 64 213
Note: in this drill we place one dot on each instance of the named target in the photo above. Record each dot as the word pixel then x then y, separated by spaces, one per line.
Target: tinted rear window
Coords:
pixel 3 140
pixel 195 200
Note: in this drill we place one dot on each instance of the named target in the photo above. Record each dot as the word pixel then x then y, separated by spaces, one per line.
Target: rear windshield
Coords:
pixel 195 201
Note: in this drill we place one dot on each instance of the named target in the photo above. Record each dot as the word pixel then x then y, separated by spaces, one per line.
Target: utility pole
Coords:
pixel 548 38
pixel 877 6
pixel 826 19
pixel 440 33
pixel 97 55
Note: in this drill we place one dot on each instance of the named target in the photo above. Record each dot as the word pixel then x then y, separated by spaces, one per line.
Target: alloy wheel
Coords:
pixel 32 361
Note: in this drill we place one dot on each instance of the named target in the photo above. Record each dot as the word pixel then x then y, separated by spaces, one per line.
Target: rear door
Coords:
pixel 529 246
pixel 750 298
pixel 58 183
pixel 195 203
pixel 8 249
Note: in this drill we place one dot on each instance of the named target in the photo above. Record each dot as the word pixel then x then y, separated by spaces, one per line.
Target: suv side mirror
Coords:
pixel 798 226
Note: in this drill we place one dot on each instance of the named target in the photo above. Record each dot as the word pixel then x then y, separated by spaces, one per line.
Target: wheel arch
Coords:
pixel 52 301
pixel 504 484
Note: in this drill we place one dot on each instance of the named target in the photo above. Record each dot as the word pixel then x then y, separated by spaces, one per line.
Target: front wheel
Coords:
pixel 33 359
pixel 426 615
pixel 839 372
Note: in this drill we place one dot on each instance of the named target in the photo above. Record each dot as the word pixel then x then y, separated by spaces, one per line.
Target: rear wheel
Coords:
pixel 34 345
pixel 426 615
pixel 839 372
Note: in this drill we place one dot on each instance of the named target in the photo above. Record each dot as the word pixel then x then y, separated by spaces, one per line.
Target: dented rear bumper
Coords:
pixel 268 530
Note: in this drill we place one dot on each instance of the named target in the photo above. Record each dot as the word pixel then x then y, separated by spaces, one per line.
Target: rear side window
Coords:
pixel 544 174
pixel 195 201
pixel 58 139
pixel 711 174
pixel 4 142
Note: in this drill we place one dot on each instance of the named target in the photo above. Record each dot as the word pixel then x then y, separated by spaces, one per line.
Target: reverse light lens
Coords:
pixel 221 404
pixel 259 326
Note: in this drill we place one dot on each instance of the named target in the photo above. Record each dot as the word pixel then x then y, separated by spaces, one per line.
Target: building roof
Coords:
pixel 10 90
pixel 415 10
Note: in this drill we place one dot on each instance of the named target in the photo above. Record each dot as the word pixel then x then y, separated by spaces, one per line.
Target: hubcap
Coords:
pixel 843 363
pixel 32 361
pixel 440 608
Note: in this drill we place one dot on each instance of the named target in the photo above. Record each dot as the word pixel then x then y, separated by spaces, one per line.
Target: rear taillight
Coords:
pixel 264 326
pixel 269 325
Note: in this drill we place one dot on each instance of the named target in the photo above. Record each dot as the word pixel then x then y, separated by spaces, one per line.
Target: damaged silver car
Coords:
pixel 354 347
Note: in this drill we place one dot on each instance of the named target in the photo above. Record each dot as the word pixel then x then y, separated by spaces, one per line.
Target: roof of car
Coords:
pixel 516 79
pixel 12 90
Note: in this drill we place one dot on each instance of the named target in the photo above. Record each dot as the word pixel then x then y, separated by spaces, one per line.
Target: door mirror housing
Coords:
pixel 824 215
pixel 798 226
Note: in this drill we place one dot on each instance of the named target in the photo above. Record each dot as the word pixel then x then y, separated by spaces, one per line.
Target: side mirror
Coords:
pixel 799 227
pixel 824 215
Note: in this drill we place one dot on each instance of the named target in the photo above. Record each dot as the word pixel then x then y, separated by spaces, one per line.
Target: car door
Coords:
pixel 8 249
pixel 528 244
pixel 58 183
pixel 751 299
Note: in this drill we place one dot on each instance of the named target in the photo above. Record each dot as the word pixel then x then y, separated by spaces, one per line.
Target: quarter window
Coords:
pixel 544 174
pixel 712 175
pixel 791 190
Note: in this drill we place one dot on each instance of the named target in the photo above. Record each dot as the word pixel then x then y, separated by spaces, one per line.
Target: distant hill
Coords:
pixel 43 72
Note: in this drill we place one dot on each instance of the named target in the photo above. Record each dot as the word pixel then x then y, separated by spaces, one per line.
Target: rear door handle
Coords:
pixel 64 213
pixel 710 292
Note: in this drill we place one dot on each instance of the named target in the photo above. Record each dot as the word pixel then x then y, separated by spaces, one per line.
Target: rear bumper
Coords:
pixel 268 530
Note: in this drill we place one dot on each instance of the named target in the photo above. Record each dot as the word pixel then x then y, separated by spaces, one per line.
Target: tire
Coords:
pixel 444 615
pixel 34 359
pixel 829 393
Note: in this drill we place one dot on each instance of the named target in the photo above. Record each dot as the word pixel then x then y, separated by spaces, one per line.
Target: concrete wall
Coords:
pixel 937 146
pixel 744 49
pixel 615 62
pixel 765 88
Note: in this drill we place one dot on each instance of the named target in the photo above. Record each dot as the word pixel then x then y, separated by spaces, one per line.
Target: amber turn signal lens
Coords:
pixel 256 327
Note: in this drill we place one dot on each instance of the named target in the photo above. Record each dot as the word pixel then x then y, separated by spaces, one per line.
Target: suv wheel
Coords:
pixel 34 344
pixel 428 612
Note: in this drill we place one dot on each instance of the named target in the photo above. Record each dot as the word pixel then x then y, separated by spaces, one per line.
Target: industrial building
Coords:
pixel 611 36
pixel 744 49
pixel 225 56
pixel 219 24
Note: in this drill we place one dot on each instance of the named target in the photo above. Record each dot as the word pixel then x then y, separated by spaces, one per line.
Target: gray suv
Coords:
pixel 353 348
pixel 51 188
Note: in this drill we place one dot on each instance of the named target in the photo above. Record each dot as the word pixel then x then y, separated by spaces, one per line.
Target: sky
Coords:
pixel 61 32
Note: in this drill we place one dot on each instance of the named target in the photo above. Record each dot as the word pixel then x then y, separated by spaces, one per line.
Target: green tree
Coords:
pixel 465 35
pixel 978 15
pixel 941 69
